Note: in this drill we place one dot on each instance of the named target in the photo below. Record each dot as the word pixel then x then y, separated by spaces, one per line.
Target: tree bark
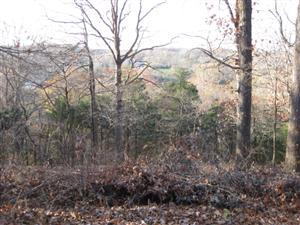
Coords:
pixel 92 87
pixel 292 157
pixel 244 43
pixel 275 121
pixel 94 123
pixel 119 129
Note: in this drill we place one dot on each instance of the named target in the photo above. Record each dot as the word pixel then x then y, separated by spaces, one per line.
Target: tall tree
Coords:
pixel 241 17
pixel 92 87
pixel 108 27
pixel 244 46
pixel 292 157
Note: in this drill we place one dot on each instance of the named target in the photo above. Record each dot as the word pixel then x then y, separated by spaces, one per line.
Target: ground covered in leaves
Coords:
pixel 135 194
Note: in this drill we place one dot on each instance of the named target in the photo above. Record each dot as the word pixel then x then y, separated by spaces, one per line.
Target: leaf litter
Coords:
pixel 148 194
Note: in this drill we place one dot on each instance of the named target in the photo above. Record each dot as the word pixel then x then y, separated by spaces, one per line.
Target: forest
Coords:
pixel 107 127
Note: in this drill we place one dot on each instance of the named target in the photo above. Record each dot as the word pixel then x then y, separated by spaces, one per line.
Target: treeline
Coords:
pixel 61 106
pixel 46 115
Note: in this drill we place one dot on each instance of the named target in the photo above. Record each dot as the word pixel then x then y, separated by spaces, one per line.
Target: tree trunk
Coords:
pixel 244 39
pixel 101 139
pixel 119 116
pixel 292 157
pixel 94 123
pixel 275 121
pixel 92 87
pixel 127 143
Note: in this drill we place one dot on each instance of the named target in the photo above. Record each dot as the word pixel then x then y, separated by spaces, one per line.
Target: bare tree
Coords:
pixel 244 45
pixel 241 18
pixel 92 87
pixel 113 21
pixel 293 141
pixel 18 98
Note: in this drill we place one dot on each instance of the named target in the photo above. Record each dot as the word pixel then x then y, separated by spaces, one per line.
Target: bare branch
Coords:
pixel 102 85
pixel 232 17
pixel 64 22
pixel 91 24
pixel 109 26
pixel 140 18
pixel 150 10
pixel 221 61
pixel 150 81
pixel 137 76
pixel 278 17
pixel 150 48
pixel 122 15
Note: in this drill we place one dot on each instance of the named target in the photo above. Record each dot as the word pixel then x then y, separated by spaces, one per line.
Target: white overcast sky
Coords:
pixel 22 18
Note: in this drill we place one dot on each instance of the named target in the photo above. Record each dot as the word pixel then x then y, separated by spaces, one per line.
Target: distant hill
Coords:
pixel 161 58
